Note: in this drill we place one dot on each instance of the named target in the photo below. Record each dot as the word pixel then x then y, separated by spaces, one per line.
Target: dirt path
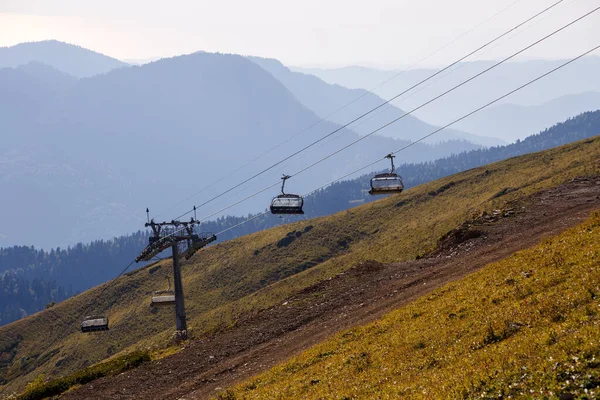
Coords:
pixel 362 294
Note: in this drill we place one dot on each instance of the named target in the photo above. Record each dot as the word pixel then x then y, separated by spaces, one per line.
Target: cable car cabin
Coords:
pixel 287 204
pixel 161 299
pixel 94 324
pixel 386 183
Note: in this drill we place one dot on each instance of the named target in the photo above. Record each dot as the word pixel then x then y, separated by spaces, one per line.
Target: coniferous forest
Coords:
pixel 31 279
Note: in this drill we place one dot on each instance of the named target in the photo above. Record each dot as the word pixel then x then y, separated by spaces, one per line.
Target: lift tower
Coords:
pixel 184 241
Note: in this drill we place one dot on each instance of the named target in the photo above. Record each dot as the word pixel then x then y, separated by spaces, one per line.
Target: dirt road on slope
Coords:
pixel 360 295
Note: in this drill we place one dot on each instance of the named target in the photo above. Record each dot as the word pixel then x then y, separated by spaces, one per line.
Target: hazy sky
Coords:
pixel 310 32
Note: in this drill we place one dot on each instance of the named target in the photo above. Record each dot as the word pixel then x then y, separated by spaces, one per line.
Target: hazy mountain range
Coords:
pixel 89 142
pixel 341 105
pixel 83 158
pixel 71 59
pixel 32 278
pixel 514 122
pixel 575 81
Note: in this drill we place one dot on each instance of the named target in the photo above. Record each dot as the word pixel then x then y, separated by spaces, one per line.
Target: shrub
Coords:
pixel 39 389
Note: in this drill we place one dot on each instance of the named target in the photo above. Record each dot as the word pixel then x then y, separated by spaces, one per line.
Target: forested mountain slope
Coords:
pixel 516 122
pixel 578 78
pixel 30 278
pixel 231 280
pixel 101 150
pixel 86 265
pixel 341 105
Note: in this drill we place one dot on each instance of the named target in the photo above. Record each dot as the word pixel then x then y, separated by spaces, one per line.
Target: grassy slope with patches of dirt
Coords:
pixel 526 326
pixel 251 273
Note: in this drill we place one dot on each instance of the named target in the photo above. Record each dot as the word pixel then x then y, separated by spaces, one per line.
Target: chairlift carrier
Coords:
pixel 94 324
pixel 163 297
pixel 387 183
pixel 287 203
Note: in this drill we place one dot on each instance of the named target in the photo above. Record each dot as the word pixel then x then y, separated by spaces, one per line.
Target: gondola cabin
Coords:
pixel 287 204
pixel 94 324
pixel 386 183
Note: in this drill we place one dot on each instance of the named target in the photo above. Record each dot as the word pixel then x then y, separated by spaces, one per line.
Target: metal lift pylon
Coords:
pixel 171 234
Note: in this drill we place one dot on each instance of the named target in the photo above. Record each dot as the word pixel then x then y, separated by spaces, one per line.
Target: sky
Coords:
pixel 326 33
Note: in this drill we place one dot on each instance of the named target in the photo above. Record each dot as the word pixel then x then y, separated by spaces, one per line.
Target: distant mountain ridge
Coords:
pixel 101 150
pixel 85 265
pixel 579 77
pixel 71 59
pixel 48 74
pixel 25 92
pixel 229 284
pixel 515 122
pixel 339 104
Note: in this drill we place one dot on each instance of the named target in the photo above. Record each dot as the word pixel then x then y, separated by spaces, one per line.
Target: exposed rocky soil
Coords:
pixel 362 294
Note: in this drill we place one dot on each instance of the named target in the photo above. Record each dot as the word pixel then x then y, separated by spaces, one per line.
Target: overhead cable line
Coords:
pixel 407 113
pixel 401 149
pixel 370 164
pixel 461 118
pixel 391 122
pixel 88 306
pixel 373 109
pixel 455 40
pixel 365 93
pixel 446 92
pixel 110 283
pixel 452 71
pixel 430 134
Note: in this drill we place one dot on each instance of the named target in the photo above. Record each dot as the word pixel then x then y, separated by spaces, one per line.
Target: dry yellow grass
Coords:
pixel 251 273
pixel 525 327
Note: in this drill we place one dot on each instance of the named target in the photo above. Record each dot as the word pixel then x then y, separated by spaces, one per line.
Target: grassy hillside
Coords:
pixel 257 271
pixel 103 189
pixel 86 265
pixel 525 327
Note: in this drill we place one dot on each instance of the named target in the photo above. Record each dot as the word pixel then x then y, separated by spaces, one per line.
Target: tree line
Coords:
pixel 32 278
